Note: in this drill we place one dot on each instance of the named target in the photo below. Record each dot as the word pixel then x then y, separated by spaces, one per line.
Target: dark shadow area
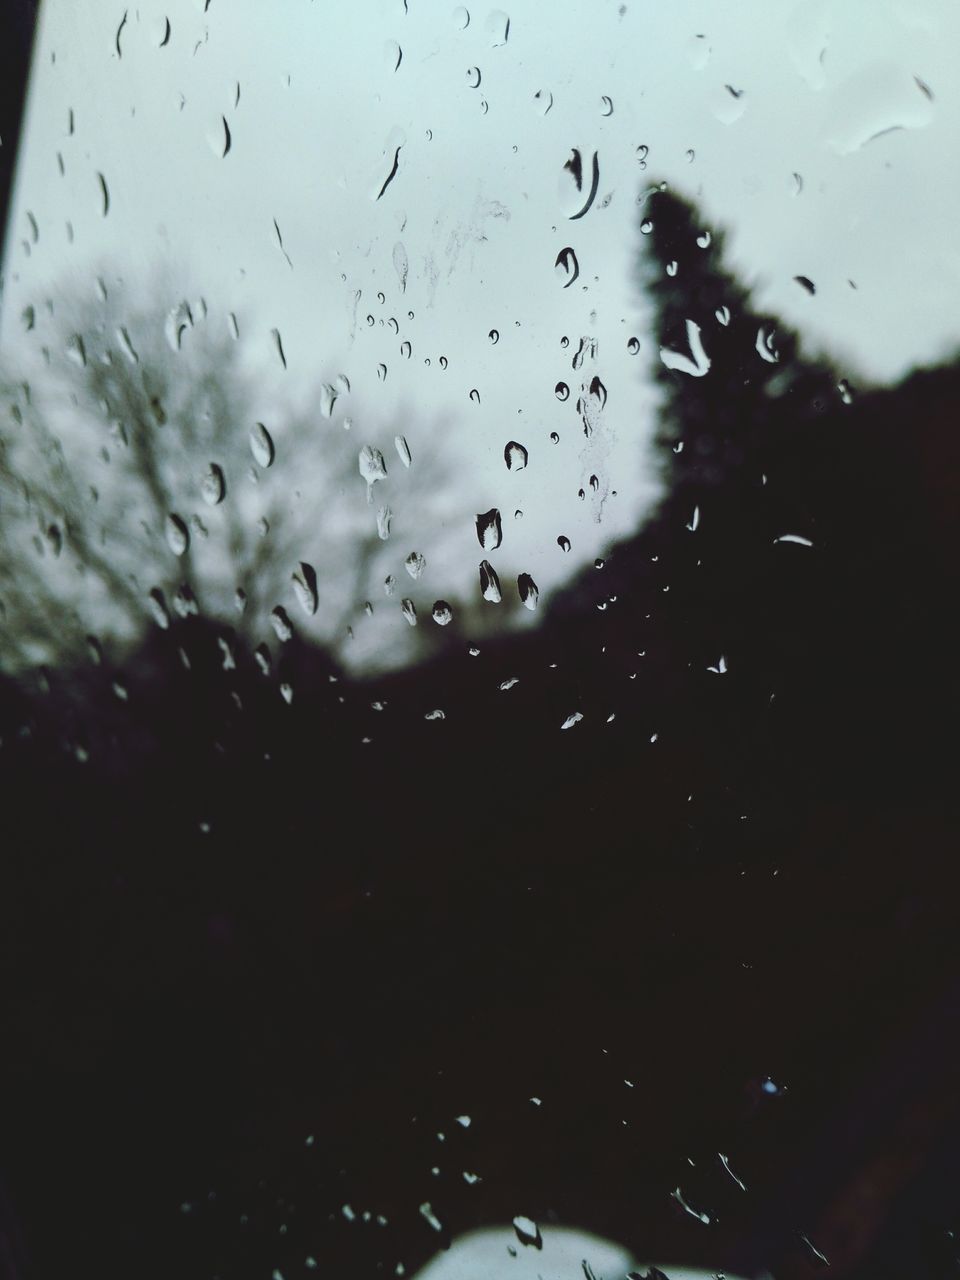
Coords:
pixel 714 914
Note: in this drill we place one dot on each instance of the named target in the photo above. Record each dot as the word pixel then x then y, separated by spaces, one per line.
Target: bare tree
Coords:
pixel 143 478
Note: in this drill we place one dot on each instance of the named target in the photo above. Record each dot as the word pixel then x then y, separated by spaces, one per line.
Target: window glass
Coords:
pixel 478 546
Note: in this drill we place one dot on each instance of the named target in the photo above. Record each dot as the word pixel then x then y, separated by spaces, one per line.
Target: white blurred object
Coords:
pixel 483 1255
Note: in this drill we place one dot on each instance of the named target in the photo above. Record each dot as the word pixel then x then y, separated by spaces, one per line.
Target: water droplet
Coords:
pixel 846 391
pixel 104 193
pixel 806 283
pixel 240 600
pixel 442 613
pixel 489 582
pixel 278 346
pixel 328 398
pixel 642 153
pixel 443 362
pixel 212 485
pixel 690 155
pixel 723 315
pixel 564 342
pixel 633 345
pixel 435 715
pixel 765 346
pixel 415 564
pixel 586 349
pixel 76 351
pixel 728 104
pixel 389 165
pixel 704 240
pixel 473 77
pixel 178 538
pixel 646 226
pixel 305 588
pixel 126 346
pixel 372 466
pixel 554 437
pixel 515 456
pixel 261 445
pixel 567 267
pixel 563 543
pixel 409 611
pixel 158 607
pixel 489 529
pixel 389 585
pixel 699 365
pixel 672 269
pixel 606 106
pixel 694 1213
pixel 403 450
pixel 498 28
pixel 384 520
pixel 28 317
pixel 475 396
pixel 562 391
pixel 123 23
pixel 401 264
pixel 693 524
pixel 494 336
pixel 179 319
pixel 795 538
pixel 543 101
pixel 461 18
pixel 282 626
pixel 528 591
pixel 578 187
pixel 392 55
pixel 382 372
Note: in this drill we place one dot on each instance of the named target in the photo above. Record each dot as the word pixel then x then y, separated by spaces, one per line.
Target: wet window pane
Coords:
pixel 478 502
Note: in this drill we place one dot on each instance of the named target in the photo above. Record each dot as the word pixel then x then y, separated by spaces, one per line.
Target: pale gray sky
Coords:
pixel 478 206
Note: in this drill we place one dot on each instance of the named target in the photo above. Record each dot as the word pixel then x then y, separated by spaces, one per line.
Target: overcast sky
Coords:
pixel 821 135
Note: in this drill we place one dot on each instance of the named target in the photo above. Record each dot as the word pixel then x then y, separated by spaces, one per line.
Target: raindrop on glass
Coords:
pixel 528 591
pixel 567 267
pixel 515 455
pixel 305 588
pixel 282 626
pixel 403 450
pixel 498 28
pixel 178 538
pixel 489 582
pixel 578 184
pixel 261 445
pixel 489 529
pixel 528 1233
pixel 415 564
pixel 213 487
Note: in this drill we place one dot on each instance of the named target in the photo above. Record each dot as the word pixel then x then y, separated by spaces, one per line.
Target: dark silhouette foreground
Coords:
pixel 721 921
